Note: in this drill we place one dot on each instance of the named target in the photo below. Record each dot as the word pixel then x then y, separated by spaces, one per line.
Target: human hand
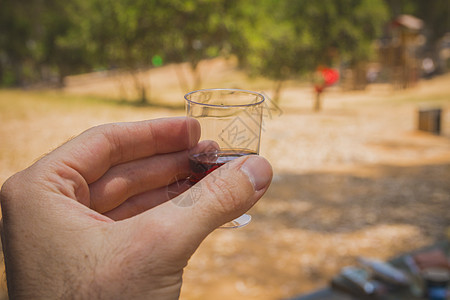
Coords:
pixel 91 219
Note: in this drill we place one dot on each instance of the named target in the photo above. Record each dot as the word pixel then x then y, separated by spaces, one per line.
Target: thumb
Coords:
pixel 220 197
pixel 229 191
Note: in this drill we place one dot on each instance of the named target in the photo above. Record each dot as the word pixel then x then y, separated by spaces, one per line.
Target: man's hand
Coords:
pixel 92 220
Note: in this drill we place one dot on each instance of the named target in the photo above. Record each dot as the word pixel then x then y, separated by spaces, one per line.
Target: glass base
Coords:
pixel 238 222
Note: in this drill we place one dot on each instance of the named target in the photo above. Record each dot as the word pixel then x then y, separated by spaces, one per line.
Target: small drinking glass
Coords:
pixel 230 122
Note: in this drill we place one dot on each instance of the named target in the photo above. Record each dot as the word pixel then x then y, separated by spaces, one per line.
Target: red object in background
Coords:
pixel 325 77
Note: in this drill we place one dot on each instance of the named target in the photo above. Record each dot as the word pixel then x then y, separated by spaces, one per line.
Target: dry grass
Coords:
pixel 354 179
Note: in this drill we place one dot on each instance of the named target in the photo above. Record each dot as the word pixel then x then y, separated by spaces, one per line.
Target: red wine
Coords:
pixel 202 164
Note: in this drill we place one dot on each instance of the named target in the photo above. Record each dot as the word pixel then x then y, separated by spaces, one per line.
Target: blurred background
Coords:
pixel 357 126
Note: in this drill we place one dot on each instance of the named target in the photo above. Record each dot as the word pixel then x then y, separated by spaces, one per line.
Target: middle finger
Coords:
pixel 126 180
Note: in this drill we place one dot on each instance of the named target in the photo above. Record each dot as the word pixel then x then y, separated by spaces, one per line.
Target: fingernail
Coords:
pixel 258 170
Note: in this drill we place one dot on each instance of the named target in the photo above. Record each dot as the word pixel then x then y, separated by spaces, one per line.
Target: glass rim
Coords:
pixel 260 95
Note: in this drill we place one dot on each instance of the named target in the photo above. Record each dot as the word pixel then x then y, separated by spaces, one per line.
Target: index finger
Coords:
pixel 96 150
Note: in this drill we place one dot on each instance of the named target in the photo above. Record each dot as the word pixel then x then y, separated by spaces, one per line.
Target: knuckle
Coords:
pixel 226 194
pixel 9 188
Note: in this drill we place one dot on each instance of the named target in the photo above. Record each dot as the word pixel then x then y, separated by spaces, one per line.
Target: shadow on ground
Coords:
pixel 336 202
pixel 310 225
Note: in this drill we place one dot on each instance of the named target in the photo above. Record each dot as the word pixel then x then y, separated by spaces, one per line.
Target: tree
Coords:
pixel 15 46
pixel 278 39
pixel 196 30
pixel 342 32
pixel 39 41
pixel 264 41
pixel 129 33
pixel 126 34
pixel 299 36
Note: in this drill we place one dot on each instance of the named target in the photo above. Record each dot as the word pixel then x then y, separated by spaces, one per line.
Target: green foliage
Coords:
pixel 298 36
pixel 279 39
pixel 39 41
pixel 14 52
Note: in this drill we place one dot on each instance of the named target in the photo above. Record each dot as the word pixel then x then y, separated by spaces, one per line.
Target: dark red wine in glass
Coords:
pixel 202 164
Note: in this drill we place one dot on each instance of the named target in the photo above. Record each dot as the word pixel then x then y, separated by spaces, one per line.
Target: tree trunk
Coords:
pixel 197 76
pixel 140 87
pixel 143 99
pixel 317 102
pixel 181 78
pixel 277 93
pixel 121 86
pixel 61 75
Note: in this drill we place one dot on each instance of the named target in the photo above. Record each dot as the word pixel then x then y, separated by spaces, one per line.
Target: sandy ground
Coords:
pixel 356 179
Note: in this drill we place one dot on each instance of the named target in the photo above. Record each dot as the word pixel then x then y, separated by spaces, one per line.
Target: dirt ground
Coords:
pixel 356 179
